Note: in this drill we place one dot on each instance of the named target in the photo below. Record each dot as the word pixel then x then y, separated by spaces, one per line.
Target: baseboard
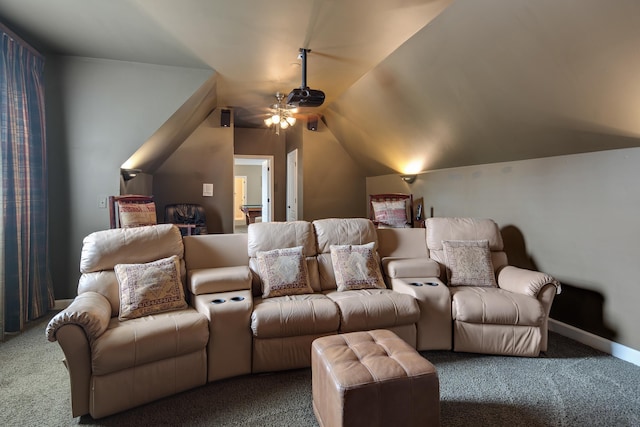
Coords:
pixel 617 350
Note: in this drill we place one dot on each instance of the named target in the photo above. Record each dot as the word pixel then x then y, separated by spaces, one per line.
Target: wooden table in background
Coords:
pixel 251 212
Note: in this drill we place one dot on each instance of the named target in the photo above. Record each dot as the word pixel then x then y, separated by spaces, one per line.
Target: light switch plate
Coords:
pixel 207 190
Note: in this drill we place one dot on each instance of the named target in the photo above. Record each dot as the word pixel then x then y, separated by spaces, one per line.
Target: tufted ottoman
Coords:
pixel 372 379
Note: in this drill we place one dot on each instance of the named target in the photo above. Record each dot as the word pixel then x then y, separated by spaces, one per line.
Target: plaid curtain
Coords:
pixel 26 291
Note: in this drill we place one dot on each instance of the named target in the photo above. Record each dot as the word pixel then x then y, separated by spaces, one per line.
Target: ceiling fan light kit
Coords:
pixel 281 115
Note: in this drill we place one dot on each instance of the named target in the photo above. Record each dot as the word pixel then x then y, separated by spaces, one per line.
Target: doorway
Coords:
pixel 255 193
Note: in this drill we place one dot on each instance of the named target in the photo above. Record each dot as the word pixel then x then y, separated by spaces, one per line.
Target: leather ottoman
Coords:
pixel 372 378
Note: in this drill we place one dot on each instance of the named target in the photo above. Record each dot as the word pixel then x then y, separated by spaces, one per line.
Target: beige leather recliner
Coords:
pixel 510 318
pixel 115 365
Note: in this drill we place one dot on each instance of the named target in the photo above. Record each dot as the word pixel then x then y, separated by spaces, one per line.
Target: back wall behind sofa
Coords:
pixel 99 112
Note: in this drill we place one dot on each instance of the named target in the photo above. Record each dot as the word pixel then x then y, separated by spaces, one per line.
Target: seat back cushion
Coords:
pixel 466 229
pixel 102 250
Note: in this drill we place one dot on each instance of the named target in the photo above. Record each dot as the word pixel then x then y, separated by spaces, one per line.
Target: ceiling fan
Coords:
pixel 304 96
pixel 281 115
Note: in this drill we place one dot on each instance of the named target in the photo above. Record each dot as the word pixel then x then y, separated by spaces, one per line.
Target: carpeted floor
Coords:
pixel 570 385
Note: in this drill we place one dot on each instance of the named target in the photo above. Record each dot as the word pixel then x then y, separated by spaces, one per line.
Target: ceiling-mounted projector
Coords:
pixel 303 96
pixel 306 97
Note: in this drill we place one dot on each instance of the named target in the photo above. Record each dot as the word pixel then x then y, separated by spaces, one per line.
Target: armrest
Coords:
pixel 396 268
pixel 77 354
pixel 219 279
pixel 525 281
pixel 89 310
pixel 434 326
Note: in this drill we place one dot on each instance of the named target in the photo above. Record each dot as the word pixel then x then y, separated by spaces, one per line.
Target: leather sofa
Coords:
pixel 276 333
pixel 117 364
pixel 230 326
pixel 507 317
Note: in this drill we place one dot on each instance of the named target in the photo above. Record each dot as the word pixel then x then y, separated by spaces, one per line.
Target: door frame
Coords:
pixel 292 185
pixel 258 160
pixel 236 209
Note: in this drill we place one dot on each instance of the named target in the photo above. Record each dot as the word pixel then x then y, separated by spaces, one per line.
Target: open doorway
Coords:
pixel 253 191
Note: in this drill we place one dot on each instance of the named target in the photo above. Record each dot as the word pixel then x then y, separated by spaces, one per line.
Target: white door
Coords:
pixel 267 185
pixel 292 186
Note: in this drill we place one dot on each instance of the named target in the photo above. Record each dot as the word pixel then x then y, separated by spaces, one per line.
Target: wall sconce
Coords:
pixel 129 174
pixel 408 178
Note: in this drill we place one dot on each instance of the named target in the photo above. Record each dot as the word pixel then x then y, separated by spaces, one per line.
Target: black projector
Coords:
pixel 306 97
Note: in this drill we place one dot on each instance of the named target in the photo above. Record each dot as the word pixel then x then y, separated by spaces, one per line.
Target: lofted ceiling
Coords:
pixel 252 45
pixel 411 85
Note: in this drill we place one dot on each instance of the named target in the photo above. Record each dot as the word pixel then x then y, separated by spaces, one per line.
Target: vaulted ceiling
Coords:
pixel 410 84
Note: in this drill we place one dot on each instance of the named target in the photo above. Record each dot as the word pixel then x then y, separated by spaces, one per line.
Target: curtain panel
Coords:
pixel 26 291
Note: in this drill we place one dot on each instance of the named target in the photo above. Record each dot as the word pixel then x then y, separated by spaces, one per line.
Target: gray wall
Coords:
pixel 331 184
pixel 206 156
pixel 254 182
pixel 574 217
pixel 98 113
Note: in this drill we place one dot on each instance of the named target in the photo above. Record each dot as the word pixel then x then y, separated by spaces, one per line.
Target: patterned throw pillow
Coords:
pixel 356 267
pixel 137 214
pixel 392 213
pixel 150 288
pixel 469 263
pixel 283 272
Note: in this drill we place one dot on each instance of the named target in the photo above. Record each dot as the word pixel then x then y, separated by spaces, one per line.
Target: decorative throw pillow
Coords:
pixel 283 272
pixel 150 288
pixel 356 267
pixel 392 213
pixel 137 214
pixel 468 263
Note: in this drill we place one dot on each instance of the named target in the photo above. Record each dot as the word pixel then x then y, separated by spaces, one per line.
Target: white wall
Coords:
pixel 98 113
pixel 578 216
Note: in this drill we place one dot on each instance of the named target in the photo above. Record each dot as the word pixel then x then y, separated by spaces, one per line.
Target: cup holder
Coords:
pixel 238 298
pixel 218 301
pixel 423 283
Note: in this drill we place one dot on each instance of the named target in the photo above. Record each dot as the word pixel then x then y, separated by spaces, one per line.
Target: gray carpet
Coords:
pixel 570 385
